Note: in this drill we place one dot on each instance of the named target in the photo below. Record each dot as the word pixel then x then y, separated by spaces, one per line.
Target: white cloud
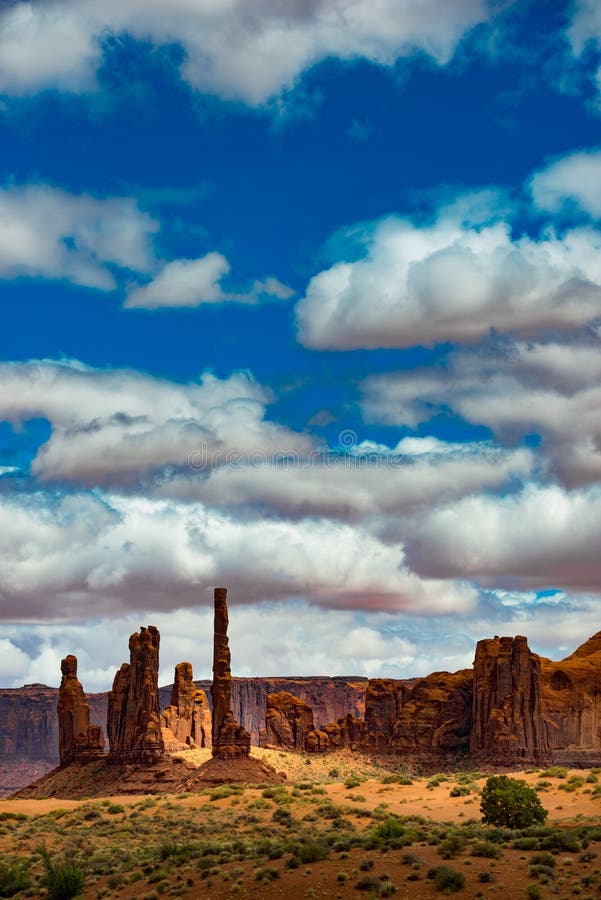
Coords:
pixel 575 179
pixel 192 282
pixel 452 281
pixel 387 484
pixel 543 537
pixel 65 557
pixel 13 661
pixel 249 50
pixel 553 390
pixel 119 425
pixel 47 232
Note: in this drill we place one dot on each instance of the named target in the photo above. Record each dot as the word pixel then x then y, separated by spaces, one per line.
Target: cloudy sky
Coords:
pixel 303 298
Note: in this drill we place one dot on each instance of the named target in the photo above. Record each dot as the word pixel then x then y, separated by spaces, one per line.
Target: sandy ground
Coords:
pixel 334 878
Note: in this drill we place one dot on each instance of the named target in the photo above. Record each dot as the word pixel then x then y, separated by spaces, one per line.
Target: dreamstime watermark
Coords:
pixel 347 454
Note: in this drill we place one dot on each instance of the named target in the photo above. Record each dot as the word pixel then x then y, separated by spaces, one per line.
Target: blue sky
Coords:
pixel 301 298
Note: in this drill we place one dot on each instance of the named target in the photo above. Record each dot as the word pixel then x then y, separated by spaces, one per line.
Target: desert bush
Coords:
pixel 14 877
pixel 554 772
pixel 63 878
pixel 566 841
pixel 533 891
pixel 446 879
pixel 510 802
pixel 453 844
pixel 486 849
pixel 266 874
pixel 352 782
pixel 543 859
pixel 460 790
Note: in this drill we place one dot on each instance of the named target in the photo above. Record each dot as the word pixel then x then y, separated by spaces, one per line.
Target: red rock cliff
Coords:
pixel 508 717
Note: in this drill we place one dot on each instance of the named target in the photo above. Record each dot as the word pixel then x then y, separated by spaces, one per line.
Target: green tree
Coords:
pixel 510 803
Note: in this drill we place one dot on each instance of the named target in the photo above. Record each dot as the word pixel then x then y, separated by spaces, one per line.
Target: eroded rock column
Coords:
pixel 133 719
pixel 229 738
pixel 78 740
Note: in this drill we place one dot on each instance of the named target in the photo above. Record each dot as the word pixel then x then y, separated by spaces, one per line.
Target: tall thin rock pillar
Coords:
pixel 229 738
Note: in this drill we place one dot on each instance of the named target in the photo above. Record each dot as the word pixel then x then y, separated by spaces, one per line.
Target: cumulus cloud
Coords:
pixel 120 425
pixel 543 537
pixel 375 484
pixel 573 179
pixel 46 232
pixel 452 280
pixel 551 390
pixel 67 556
pixel 192 282
pixel 248 50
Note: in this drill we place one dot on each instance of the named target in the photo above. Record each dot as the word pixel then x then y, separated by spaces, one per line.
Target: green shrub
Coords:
pixel 446 879
pixel 543 859
pixel 266 874
pixel 452 845
pixel 14 877
pixel 554 772
pixel 533 892
pixel 460 790
pixel 566 841
pixel 486 849
pixel 115 808
pixel 352 782
pixel 525 843
pixel 510 802
pixel 63 878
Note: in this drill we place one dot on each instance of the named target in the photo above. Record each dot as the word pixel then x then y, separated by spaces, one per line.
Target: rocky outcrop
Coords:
pixel 435 719
pixel 384 700
pixel 571 696
pixel 288 720
pixel 230 740
pixel 133 720
pixel 186 722
pixel 78 740
pixel 508 721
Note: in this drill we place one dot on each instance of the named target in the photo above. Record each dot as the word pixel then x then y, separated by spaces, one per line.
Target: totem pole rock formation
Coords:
pixel 508 721
pixel 288 720
pixel 133 719
pixel 187 721
pixel 230 740
pixel 78 740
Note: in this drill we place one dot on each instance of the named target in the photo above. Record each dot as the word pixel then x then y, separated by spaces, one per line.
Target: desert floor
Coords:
pixel 342 826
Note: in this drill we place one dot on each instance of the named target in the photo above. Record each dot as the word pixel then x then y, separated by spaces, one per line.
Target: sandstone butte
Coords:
pixel 513 707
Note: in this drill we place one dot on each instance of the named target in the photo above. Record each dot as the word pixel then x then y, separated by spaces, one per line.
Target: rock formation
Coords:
pixel 288 720
pixel 230 740
pixel 384 699
pixel 133 720
pixel 186 722
pixel 508 721
pixel 436 715
pixel 78 740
